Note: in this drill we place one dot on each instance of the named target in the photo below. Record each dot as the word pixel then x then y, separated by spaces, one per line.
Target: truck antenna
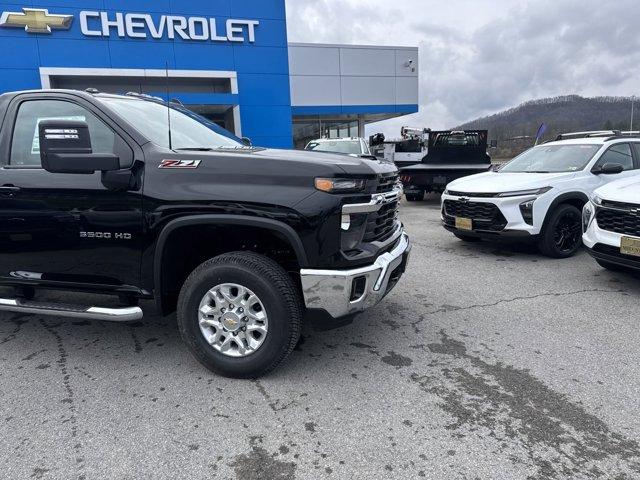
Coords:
pixel 166 69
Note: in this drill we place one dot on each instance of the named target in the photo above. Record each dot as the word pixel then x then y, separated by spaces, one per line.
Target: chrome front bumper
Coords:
pixel 331 290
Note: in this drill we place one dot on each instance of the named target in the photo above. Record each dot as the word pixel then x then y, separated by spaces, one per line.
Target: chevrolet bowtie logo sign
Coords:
pixel 36 20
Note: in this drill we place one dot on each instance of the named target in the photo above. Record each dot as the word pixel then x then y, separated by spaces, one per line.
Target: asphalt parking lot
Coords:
pixel 486 362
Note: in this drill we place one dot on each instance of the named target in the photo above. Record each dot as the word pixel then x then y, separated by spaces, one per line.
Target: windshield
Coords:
pixel 552 159
pixel 188 130
pixel 349 147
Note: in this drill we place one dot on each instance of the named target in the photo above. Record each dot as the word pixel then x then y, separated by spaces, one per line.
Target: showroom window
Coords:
pixel 306 129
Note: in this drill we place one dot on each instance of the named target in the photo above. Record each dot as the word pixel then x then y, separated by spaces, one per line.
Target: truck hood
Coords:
pixel 499 182
pixel 624 191
pixel 346 163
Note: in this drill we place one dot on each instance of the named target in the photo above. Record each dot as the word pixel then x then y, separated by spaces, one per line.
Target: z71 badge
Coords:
pixel 179 164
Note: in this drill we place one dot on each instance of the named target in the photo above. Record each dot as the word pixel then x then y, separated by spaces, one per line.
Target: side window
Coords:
pixel 619 153
pixel 365 148
pixel 25 145
pixel 636 147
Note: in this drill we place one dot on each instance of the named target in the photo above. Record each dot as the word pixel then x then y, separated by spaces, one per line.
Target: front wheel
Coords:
pixel 240 314
pixel 562 235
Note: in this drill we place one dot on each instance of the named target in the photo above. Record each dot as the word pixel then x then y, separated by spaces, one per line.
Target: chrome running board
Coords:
pixel 122 314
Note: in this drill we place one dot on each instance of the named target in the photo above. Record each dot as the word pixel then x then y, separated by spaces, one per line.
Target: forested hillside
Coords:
pixel 561 114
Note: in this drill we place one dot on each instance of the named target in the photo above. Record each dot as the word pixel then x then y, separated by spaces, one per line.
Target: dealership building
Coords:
pixel 228 60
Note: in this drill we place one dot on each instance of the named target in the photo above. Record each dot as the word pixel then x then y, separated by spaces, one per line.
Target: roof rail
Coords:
pixel 594 133
pixel 143 95
pixel 623 135
pixel 597 134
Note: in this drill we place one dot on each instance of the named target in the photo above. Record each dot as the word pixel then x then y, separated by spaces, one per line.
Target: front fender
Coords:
pixel 212 219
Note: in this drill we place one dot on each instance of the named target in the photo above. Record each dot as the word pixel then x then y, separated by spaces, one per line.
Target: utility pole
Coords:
pixel 633 101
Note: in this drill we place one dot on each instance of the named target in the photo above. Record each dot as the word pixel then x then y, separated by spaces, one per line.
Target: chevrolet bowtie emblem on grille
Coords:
pixel 36 20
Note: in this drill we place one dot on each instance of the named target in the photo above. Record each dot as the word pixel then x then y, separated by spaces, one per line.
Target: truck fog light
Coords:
pixel 353 227
pixel 526 208
pixel 345 223
pixel 357 288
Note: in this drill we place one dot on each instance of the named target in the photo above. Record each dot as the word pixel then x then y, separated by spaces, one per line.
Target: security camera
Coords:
pixel 409 65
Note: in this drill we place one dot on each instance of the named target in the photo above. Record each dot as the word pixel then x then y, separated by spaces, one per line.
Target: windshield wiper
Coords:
pixel 212 149
pixel 537 171
pixel 195 149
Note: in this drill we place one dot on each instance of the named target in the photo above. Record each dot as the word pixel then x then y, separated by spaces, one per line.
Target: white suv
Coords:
pixel 611 222
pixel 539 195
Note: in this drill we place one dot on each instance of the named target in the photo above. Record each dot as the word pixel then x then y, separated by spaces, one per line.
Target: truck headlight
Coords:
pixel 340 185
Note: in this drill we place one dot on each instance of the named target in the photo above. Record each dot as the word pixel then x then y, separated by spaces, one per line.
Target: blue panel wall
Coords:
pixel 262 67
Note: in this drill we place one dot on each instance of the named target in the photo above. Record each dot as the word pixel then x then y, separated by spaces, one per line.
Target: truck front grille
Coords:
pixel 386 183
pixel 625 221
pixel 485 216
pixel 381 224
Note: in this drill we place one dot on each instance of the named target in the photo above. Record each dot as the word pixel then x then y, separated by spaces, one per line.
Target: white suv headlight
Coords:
pixel 596 200
pixel 524 193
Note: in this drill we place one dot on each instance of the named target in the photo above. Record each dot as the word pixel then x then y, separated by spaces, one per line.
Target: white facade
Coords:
pixel 348 75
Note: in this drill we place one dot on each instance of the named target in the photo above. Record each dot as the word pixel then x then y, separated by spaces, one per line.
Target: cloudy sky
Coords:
pixel 481 56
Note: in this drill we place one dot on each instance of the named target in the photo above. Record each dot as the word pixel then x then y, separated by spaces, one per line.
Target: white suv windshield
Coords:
pixel 188 130
pixel 350 147
pixel 552 159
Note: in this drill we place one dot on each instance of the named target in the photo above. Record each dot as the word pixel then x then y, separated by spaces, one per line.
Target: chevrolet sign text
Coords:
pixel 143 25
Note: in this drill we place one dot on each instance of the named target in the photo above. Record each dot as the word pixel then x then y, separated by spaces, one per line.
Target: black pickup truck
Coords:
pixel 99 198
pixel 450 155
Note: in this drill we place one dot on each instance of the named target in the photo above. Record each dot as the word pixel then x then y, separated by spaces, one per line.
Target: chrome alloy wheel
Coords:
pixel 233 320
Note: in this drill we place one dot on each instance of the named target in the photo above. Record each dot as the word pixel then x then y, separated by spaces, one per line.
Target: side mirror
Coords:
pixel 609 169
pixel 65 147
pixel 246 141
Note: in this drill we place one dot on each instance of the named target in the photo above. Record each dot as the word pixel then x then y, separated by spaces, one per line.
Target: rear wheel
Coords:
pixel 466 238
pixel 240 314
pixel 562 236
pixel 415 197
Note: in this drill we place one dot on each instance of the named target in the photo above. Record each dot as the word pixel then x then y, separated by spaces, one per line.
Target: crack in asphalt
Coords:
pixel 273 404
pixel 453 308
pixel 18 322
pixel 518 410
pixel 70 400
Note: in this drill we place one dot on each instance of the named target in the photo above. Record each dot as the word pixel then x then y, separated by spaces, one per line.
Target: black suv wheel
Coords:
pixel 240 314
pixel 562 235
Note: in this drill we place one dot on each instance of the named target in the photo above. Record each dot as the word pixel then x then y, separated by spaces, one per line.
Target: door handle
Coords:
pixel 9 189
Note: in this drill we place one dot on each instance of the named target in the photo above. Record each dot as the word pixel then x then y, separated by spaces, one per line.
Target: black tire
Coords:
pixel 415 197
pixel 271 283
pixel 614 267
pixel 467 238
pixel 562 234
